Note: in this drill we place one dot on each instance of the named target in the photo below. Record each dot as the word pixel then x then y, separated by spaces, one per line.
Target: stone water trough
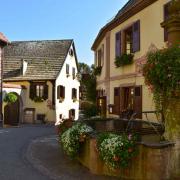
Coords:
pixel 156 159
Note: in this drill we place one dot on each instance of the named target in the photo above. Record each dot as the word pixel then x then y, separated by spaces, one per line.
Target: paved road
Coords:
pixel 33 153
pixel 13 145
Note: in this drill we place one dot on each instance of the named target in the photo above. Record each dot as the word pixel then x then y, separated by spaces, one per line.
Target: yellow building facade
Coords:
pixel 122 88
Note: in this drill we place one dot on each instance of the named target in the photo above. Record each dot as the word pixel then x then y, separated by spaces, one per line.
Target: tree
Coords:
pixel 88 81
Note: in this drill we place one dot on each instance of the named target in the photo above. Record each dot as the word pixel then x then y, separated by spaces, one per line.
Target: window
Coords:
pixel 72 113
pixel 74 93
pixel 73 73
pixel 128 40
pixel 130 43
pixel 39 90
pixel 71 52
pixel 60 92
pixel 102 55
pixel 99 57
pixel 41 117
pixel 99 54
pixel 67 69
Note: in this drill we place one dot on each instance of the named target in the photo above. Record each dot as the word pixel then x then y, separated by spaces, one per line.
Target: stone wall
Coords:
pixel 154 161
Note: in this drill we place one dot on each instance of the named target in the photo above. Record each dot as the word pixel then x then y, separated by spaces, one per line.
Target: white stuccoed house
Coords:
pixel 44 76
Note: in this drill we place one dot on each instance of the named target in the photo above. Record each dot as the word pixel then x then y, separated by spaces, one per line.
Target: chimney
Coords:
pixel 24 66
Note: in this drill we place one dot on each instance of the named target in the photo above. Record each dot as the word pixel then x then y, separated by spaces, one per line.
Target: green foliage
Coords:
pixel 84 68
pixel 162 75
pixel 89 82
pixel 123 60
pixel 90 110
pixel 97 71
pixel 72 138
pixel 116 150
pixel 10 98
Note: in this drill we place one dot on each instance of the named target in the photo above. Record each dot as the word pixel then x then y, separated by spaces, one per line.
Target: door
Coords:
pixel 117 100
pixel 29 115
pixel 138 101
pixel 101 103
pixel 11 113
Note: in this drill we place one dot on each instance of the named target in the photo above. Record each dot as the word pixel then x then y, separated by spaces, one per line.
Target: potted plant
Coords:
pixel 123 60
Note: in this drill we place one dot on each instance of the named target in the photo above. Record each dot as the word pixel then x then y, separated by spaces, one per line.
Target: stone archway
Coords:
pixel 12 112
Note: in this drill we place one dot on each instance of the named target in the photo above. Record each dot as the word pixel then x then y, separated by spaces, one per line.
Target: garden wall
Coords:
pixel 154 161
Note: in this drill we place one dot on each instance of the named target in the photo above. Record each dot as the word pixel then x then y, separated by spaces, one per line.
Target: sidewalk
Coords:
pixel 46 155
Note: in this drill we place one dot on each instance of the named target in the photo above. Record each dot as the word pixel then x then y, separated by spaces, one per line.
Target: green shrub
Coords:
pixel 90 110
pixel 10 98
pixel 116 150
pixel 72 138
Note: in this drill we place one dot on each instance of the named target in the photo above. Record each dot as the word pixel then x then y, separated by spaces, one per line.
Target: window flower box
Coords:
pixel 123 60
pixel 97 70
pixel 61 99
pixel 38 99
pixel 74 99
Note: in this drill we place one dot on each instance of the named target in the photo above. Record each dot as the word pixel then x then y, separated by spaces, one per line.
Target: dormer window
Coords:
pixel 71 52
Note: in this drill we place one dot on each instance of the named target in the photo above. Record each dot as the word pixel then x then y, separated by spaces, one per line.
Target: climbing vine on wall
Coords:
pixel 162 75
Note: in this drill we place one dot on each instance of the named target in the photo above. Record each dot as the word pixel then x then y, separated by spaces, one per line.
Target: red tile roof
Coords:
pixel 3 38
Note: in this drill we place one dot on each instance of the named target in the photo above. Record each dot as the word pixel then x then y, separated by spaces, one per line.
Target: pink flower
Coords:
pixel 129 137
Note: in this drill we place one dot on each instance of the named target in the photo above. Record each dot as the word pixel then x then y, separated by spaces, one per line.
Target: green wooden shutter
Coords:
pixel 32 91
pixel 64 92
pixel 58 92
pixel 138 101
pixel 45 95
pixel 116 101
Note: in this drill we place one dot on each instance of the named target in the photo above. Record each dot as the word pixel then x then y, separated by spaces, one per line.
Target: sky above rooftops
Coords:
pixel 80 20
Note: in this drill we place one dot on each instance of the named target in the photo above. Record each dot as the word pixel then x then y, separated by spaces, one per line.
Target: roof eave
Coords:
pixel 117 21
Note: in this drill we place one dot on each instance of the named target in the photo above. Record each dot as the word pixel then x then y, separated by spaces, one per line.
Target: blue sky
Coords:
pixel 80 20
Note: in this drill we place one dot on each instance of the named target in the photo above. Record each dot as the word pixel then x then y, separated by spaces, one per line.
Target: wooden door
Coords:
pixel 116 101
pixel 29 115
pixel 101 103
pixel 11 113
pixel 138 101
